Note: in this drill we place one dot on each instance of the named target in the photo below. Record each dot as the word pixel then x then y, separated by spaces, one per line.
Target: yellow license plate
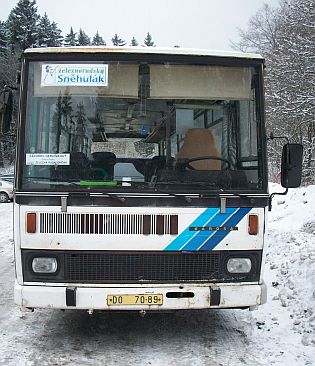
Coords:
pixel 114 300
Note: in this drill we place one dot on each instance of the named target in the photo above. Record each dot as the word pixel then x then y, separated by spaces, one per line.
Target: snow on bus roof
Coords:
pixel 145 50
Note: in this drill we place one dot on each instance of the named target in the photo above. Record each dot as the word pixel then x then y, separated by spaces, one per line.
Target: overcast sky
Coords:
pixel 208 24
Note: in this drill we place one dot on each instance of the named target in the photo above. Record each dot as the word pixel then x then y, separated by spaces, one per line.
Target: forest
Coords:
pixel 284 36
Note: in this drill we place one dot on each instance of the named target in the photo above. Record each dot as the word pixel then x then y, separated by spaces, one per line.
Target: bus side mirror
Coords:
pixel 291 165
pixel 6 108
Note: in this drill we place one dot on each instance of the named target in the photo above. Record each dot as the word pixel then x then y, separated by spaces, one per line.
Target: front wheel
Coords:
pixel 4 197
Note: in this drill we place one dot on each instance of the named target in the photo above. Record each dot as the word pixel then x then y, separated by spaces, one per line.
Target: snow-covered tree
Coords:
pixel 79 137
pixel 49 35
pixel 148 41
pixel 98 40
pixel 3 38
pixel 262 32
pixel 8 58
pixel 118 41
pixel 43 31
pixel 56 37
pixel 134 42
pixel 286 38
pixel 83 38
pixel 22 25
pixel 70 38
pixel 57 118
pixel 67 125
pixel 291 78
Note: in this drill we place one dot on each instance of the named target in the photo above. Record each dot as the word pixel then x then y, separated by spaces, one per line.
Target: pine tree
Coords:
pixel 70 39
pixel 3 54
pixel 66 110
pixel 56 37
pixel 118 41
pixel 83 38
pixel 3 38
pixel 78 141
pixel 57 117
pixel 22 25
pixel 134 42
pixel 148 41
pixel 98 40
pixel 44 28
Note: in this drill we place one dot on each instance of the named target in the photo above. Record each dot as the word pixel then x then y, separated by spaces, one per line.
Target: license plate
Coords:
pixel 155 299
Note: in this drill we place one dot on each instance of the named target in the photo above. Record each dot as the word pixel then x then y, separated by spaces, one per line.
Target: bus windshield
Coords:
pixel 140 127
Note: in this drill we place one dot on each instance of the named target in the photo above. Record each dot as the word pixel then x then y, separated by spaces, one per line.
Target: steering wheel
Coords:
pixel 185 163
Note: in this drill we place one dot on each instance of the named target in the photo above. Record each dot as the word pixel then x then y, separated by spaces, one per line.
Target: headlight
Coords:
pixel 44 265
pixel 239 265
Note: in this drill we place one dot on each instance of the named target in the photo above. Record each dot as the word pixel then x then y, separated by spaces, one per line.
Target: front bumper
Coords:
pixel 220 295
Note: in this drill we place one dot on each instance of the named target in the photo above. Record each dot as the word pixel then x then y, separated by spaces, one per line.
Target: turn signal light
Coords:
pixel 31 222
pixel 253 224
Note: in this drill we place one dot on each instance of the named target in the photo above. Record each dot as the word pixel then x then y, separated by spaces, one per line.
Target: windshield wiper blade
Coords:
pixel 240 196
pixel 71 182
pixel 226 195
pixel 114 195
pixel 198 184
pixel 205 192
pixel 176 195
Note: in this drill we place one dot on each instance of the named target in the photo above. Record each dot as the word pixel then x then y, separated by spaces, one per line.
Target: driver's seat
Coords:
pixel 200 142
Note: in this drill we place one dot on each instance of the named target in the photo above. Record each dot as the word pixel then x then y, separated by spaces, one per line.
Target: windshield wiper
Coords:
pixel 204 193
pixel 198 184
pixel 249 199
pixel 56 182
pixel 176 195
pixel 114 195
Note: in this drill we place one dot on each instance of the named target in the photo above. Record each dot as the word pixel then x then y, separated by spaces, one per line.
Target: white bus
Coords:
pixel 141 179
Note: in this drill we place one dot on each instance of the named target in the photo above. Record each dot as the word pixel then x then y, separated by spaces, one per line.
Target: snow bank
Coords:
pixel 286 324
pixel 7 170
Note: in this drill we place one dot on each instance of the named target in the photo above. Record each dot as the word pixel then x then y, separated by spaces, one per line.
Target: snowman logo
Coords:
pixel 49 74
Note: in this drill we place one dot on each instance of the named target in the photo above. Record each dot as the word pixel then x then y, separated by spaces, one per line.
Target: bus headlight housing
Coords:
pixel 239 265
pixel 44 265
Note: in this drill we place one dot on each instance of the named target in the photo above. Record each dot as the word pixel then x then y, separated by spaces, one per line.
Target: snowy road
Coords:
pixel 279 333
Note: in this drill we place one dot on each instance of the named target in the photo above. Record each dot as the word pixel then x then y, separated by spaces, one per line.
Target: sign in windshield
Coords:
pixel 74 75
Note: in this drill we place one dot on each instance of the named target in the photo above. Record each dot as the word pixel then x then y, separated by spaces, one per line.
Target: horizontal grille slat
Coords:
pixel 98 223
pixel 141 267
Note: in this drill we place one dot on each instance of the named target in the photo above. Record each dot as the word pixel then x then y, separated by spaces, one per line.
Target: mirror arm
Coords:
pixel 275 194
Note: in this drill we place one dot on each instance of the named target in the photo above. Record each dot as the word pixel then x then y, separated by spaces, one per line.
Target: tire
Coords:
pixel 4 197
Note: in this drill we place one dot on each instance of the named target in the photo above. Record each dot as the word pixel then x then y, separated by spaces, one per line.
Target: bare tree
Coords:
pixel 286 38
pixel 262 32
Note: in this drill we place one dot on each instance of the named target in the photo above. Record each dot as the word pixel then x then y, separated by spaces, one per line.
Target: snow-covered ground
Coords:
pixel 278 333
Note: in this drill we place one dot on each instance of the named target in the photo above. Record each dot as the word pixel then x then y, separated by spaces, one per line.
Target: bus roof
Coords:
pixel 145 50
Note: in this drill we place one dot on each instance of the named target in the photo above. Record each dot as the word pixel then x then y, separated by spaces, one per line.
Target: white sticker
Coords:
pixel 74 75
pixel 47 159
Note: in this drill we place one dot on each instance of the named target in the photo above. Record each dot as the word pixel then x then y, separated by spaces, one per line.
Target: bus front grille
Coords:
pixel 140 267
pixel 103 223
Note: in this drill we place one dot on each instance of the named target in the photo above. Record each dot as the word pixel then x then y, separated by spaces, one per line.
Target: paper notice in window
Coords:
pixel 47 159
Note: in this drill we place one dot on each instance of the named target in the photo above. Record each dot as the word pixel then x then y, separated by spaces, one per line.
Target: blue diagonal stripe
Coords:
pixel 203 236
pixel 187 235
pixel 220 235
